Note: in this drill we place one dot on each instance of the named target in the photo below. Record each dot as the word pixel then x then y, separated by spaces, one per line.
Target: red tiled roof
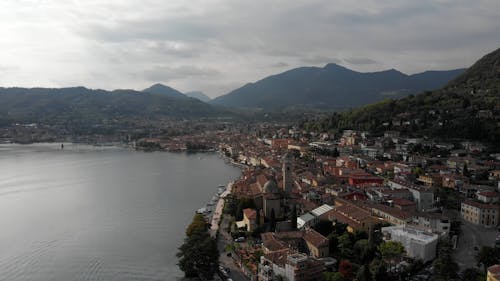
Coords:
pixel 488 193
pixel 480 205
pixel 315 238
pixel 251 214
pixel 402 202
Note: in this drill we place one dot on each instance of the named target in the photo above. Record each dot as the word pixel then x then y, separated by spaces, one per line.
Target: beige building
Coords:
pixel 480 213
pixel 493 273
pixel 250 219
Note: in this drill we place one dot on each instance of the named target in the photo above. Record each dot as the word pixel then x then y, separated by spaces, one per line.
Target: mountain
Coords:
pixel 198 95
pixel 467 107
pixel 160 89
pixel 332 86
pixel 84 106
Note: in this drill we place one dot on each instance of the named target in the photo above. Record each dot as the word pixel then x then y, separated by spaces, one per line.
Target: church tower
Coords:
pixel 287 174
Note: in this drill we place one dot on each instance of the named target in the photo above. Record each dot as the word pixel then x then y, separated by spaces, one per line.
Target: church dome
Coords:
pixel 271 186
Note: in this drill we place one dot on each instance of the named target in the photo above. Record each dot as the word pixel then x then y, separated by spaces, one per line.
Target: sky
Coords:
pixel 219 45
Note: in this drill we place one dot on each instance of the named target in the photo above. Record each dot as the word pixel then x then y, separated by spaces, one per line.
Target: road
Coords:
pixel 223 240
pixel 215 218
pixel 473 236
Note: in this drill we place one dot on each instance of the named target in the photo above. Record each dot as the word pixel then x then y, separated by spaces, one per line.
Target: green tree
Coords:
pixel 487 256
pixel 472 274
pixel 333 242
pixel 333 276
pixel 391 251
pixel 445 267
pixel 198 255
pixel 198 224
pixel 363 251
pixel 378 270
pixel 364 273
pixel 345 245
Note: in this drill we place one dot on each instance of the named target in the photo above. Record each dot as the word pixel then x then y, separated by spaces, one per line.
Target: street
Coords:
pixel 473 236
pixel 223 240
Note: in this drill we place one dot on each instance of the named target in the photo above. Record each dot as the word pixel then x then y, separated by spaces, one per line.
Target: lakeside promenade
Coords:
pixel 217 214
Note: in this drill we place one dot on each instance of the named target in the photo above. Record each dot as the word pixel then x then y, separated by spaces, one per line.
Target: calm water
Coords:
pixel 92 214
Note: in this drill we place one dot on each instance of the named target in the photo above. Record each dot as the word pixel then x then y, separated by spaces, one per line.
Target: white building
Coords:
pixel 419 244
pixel 313 217
pixel 306 219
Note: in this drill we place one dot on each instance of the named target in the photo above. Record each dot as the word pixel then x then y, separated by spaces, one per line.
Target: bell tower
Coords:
pixel 287 174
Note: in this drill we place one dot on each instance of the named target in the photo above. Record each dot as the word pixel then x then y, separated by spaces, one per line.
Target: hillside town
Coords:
pixel 313 206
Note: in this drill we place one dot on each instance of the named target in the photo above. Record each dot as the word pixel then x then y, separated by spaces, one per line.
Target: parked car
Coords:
pixel 240 239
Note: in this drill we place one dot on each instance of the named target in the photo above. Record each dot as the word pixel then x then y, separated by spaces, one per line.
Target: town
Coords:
pixel 314 206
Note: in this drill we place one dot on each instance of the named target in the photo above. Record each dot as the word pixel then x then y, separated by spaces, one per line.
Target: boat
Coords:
pixel 201 210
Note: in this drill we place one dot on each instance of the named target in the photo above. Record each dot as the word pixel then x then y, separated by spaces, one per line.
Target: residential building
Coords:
pixel 290 267
pixel 392 215
pixel 316 243
pixel 423 196
pixel 436 222
pixel 487 196
pixel 479 213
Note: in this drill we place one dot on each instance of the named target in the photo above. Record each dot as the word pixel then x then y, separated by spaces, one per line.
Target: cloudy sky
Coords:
pixel 218 45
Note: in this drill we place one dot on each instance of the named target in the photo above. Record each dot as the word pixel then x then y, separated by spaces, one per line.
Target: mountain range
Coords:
pixel 467 107
pixel 331 87
pixel 79 105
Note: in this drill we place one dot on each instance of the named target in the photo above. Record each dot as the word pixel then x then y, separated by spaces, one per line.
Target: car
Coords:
pixel 476 248
pixel 240 239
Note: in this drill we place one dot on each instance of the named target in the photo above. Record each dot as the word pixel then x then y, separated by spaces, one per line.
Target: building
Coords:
pixel 313 217
pixel 487 196
pixel 250 219
pixel 356 218
pixel 392 215
pixel 290 267
pixel 480 213
pixel 287 174
pixel 419 244
pixel 316 243
pixel 424 197
pixel 306 219
pixel 493 273
pixel 436 222
pixel 272 199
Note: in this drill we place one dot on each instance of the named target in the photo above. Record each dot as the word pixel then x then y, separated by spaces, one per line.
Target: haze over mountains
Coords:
pixel 331 87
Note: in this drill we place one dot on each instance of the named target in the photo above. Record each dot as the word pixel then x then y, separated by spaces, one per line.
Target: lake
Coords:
pixel 99 213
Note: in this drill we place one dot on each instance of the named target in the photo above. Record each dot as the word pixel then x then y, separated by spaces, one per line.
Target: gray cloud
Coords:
pixel 360 61
pixel 216 46
pixel 280 64
pixel 167 73
pixel 320 60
